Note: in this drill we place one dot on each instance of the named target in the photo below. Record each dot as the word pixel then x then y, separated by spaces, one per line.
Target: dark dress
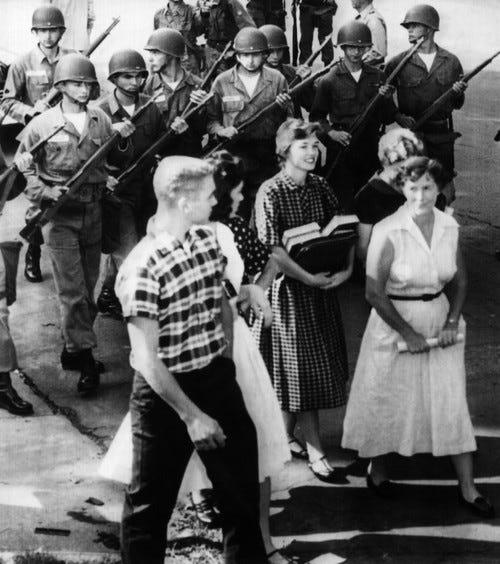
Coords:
pixel 376 200
pixel 304 350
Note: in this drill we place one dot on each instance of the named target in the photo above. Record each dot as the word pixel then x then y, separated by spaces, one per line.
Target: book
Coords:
pixel 325 250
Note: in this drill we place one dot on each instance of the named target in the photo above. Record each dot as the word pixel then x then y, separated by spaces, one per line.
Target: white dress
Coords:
pixel 258 394
pixel 402 402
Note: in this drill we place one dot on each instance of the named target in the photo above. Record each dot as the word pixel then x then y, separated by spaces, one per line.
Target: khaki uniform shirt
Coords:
pixel 29 79
pixel 65 153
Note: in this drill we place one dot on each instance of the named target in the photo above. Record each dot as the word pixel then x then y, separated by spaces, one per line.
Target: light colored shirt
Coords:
pixel 356 75
pixel 373 19
pixel 249 82
pixel 428 59
pixel 77 119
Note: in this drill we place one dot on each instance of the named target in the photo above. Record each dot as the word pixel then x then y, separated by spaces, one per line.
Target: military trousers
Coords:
pixel 73 238
pixel 309 21
pixel 8 358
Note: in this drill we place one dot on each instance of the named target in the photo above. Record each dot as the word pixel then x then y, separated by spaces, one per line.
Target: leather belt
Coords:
pixel 421 297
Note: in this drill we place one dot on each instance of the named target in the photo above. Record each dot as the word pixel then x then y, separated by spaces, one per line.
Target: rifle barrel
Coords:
pixel 100 38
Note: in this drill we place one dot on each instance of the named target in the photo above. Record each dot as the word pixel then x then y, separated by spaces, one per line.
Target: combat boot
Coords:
pixel 75 360
pixel 32 271
pixel 89 374
pixel 10 399
pixel 109 304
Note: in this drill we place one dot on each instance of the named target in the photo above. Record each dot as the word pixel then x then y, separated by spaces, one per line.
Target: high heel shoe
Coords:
pixel 385 489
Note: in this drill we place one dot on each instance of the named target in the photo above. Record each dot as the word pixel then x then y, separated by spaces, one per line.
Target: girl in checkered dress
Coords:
pixel 305 349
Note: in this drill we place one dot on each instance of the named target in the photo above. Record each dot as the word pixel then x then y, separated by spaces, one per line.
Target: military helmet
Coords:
pixel 250 40
pixel 74 67
pixel 422 14
pixel 167 41
pixel 127 60
pixel 47 17
pixel 355 34
pixel 276 38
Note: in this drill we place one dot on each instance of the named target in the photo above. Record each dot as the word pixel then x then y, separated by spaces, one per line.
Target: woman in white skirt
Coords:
pixel 414 402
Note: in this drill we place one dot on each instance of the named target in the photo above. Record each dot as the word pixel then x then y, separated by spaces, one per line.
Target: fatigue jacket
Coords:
pixel 418 88
pixel 65 153
pixel 148 129
pixel 374 20
pixel 342 99
pixel 173 102
pixel 29 79
pixel 232 105
pixel 181 17
pixel 223 21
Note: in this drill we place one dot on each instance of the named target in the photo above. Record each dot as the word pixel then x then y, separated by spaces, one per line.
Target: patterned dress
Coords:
pixel 305 349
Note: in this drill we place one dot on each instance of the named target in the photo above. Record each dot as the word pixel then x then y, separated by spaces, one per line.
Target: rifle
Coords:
pixel 358 126
pixel 295 40
pixel 54 95
pixel 312 58
pixel 78 179
pixel 273 105
pixel 450 93
pixel 11 175
pixel 126 175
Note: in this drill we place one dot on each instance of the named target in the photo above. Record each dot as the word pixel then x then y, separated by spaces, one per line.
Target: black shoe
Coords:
pixel 385 489
pixel 324 472
pixel 74 361
pixel 109 304
pixel 205 512
pixel 89 379
pixel 296 449
pixel 480 506
pixel 10 400
pixel 32 271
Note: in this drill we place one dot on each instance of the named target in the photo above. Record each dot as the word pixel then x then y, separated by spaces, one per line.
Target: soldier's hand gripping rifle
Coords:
pixel 312 58
pixel 157 146
pixel 78 179
pixel 359 124
pixel 244 125
pixel 54 95
pixel 11 176
pixel 450 94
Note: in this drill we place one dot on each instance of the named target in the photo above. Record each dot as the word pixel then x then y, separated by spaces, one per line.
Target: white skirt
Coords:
pixel 409 403
pixel 261 403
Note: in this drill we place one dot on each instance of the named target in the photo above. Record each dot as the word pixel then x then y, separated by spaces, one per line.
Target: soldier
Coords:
pixel 166 48
pixel 342 95
pixel 73 235
pixel 182 17
pixel 428 74
pixel 316 14
pixel 127 71
pixel 278 48
pixel 29 79
pixel 268 12
pixel 368 15
pixel 80 16
pixel 240 93
pixel 221 20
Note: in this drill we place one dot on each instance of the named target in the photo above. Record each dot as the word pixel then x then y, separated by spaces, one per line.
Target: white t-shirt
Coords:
pixel 129 109
pixel 428 59
pixel 78 120
pixel 357 75
pixel 173 85
pixel 250 82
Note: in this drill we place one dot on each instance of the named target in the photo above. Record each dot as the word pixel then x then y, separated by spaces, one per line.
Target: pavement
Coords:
pixel 52 500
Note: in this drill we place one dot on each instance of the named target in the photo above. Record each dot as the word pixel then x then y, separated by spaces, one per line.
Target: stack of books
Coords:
pixel 322 250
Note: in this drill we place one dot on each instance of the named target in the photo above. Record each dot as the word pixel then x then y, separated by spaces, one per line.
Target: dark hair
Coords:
pixel 291 130
pixel 227 175
pixel 415 167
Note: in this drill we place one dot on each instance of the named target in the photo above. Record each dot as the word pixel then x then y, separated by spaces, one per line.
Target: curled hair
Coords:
pixel 291 130
pixel 228 173
pixel 397 145
pixel 178 176
pixel 415 167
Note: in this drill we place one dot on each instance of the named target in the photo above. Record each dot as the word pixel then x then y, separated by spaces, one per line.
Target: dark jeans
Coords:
pixel 308 21
pixel 161 451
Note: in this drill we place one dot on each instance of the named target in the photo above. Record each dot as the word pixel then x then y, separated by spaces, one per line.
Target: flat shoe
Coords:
pixel 385 489
pixel 299 452
pixel 480 506
pixel 326 473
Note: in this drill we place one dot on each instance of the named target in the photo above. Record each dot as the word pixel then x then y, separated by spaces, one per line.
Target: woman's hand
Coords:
pixel 448 334
pixel 253 297
pixel 319 280
pixel 336 279
pixel 416 342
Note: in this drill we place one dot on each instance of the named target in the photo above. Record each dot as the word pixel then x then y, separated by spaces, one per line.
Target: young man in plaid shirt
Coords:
pixel 185 392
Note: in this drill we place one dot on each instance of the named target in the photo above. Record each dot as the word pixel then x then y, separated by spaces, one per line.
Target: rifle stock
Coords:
pixel 77 180
pixel 252 119
pixel 450 93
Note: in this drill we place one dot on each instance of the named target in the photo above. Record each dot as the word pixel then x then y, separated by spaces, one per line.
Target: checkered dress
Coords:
pixel 304 350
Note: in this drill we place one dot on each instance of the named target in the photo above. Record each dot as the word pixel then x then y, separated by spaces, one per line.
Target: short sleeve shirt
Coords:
pixel 179 285
pixel 254 254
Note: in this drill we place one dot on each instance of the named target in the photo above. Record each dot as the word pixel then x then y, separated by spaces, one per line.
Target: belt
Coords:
pixel 422 297
pixel 441 126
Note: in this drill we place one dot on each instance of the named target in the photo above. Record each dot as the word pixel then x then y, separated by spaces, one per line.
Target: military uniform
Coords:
pixel 316 14
pixel 182 17
pixel 73 236
pixel 304 98
pixel 418 88
pixel 340 98
pixel 221 22
pixel 267 12
pixel 374 20
pixel 231 105
pixel 171 105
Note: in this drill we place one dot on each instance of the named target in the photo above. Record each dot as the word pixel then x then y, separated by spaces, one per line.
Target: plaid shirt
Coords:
pixel 178 284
